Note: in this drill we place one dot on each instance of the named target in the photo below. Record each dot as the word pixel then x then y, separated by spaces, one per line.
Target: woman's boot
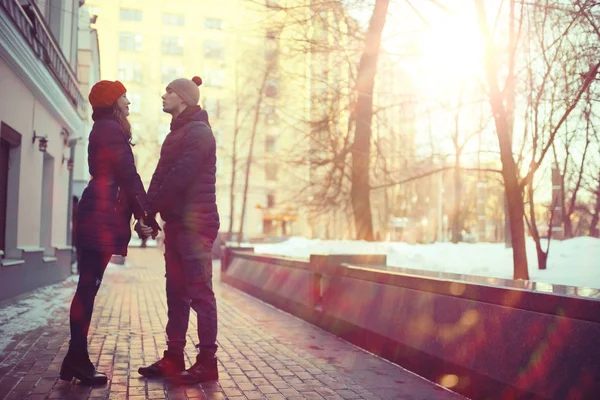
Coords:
pixel 77 364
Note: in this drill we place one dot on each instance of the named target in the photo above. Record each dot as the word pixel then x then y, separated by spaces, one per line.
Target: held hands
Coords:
pixel 147 227
pixel 142 229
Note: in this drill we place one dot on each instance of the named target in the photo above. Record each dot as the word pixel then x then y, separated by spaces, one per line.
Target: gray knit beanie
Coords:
pixel 187 89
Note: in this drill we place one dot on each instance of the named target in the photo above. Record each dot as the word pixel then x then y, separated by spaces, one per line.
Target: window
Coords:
pixel 271 171
pixel 174 19
pixel 213 23
pixel 271 117
pixel 136 102
pixel 270 144
pixel 214 50
pixel 214 78
pixel 131 15
pixel 130 72
pixel 170 73
pixel 163 131
pixel 272 87
pixel 130 42
pixel 271 50
pixel 212 107
pixel 172 45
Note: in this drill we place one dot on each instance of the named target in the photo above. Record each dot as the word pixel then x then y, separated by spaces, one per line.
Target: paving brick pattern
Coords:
pixel 264 353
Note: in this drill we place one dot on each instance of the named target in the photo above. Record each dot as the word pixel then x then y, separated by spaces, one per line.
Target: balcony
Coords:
pixel 28 20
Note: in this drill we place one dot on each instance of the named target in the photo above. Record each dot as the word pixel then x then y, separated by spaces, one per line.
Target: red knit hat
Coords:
pixel 105 93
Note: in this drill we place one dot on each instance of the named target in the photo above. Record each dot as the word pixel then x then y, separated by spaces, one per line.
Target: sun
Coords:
pixel 451 50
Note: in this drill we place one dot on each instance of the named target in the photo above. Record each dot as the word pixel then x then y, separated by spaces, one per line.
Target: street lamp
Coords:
pixel 43 142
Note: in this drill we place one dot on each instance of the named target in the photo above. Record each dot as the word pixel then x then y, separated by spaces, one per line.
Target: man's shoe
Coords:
pixel 171 364
pixel 78 365
pixel 204 370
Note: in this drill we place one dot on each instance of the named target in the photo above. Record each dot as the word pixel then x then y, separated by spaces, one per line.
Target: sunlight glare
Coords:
pixel 452 50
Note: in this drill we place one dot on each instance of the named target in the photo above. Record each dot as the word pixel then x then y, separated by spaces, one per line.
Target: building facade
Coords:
pixel 41 113
pixel 147 45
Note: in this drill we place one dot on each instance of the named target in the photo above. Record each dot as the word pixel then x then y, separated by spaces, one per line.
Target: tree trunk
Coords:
pixel 542 256
pixel 535 234
pixel 514 195
pixel 596 216
pixel 456 228
pixel 361 154
pixel 231 201
pixel 236 132
pixel 251 152
pixel 568 224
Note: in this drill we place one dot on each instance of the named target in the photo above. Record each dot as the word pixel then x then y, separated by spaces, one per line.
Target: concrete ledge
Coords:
pixel 293 285
pixel 7 262
pixel 33 270
pixel 482 341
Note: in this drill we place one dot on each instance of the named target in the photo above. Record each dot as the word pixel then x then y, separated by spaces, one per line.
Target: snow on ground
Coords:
pixel 574 262
pixel 35 309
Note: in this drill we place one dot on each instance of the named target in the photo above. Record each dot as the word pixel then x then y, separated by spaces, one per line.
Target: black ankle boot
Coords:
pixel 204 370
pixel 171 364
pixel 77 364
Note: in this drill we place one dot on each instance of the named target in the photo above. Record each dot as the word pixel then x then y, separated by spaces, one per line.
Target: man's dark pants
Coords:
pixel 189 285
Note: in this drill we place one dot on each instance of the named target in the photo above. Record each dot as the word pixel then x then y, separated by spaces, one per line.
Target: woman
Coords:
pixel 103 216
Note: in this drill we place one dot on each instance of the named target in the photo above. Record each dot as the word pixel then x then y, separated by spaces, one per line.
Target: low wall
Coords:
pixel 33 270
pixel 480 339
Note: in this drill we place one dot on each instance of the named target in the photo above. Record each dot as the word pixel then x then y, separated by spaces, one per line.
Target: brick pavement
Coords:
pixel 264 353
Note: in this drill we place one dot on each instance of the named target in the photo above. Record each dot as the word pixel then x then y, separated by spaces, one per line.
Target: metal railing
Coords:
pixel 28 19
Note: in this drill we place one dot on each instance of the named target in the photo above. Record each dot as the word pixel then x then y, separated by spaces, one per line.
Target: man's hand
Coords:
pixel 143 230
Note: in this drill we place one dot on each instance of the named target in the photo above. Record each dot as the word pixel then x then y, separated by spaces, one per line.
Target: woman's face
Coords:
pixel 123 104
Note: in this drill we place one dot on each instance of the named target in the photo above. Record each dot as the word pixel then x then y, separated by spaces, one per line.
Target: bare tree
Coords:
pixel 257 110
pixel 361 146
pixel 244 108
pixel 569 199
pixel 504 116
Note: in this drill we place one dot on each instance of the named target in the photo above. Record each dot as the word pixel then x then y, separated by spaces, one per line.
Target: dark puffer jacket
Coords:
pixel 183 188
pixel 107 203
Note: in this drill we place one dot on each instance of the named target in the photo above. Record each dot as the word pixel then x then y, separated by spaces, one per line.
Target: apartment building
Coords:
pixel 148 44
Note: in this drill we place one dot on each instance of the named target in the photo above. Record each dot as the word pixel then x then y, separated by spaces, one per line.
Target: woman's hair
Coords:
pixel 123 120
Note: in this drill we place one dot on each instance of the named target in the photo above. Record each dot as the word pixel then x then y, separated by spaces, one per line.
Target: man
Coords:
pixel 182 190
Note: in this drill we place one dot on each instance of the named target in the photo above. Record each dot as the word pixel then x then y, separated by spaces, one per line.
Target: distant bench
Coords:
pixel 486 338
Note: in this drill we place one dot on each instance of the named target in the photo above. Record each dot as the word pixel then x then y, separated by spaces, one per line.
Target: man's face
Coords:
pixel 172 102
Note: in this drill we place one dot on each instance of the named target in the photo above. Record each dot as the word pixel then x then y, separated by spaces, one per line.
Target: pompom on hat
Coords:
pixel 105 93
pixel 187 89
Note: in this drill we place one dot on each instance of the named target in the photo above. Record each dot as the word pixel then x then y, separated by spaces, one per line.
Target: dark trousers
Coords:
pixel 188 266
pixel 91 265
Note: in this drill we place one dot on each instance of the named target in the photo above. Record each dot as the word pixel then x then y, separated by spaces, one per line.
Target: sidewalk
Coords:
pixel 264 353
